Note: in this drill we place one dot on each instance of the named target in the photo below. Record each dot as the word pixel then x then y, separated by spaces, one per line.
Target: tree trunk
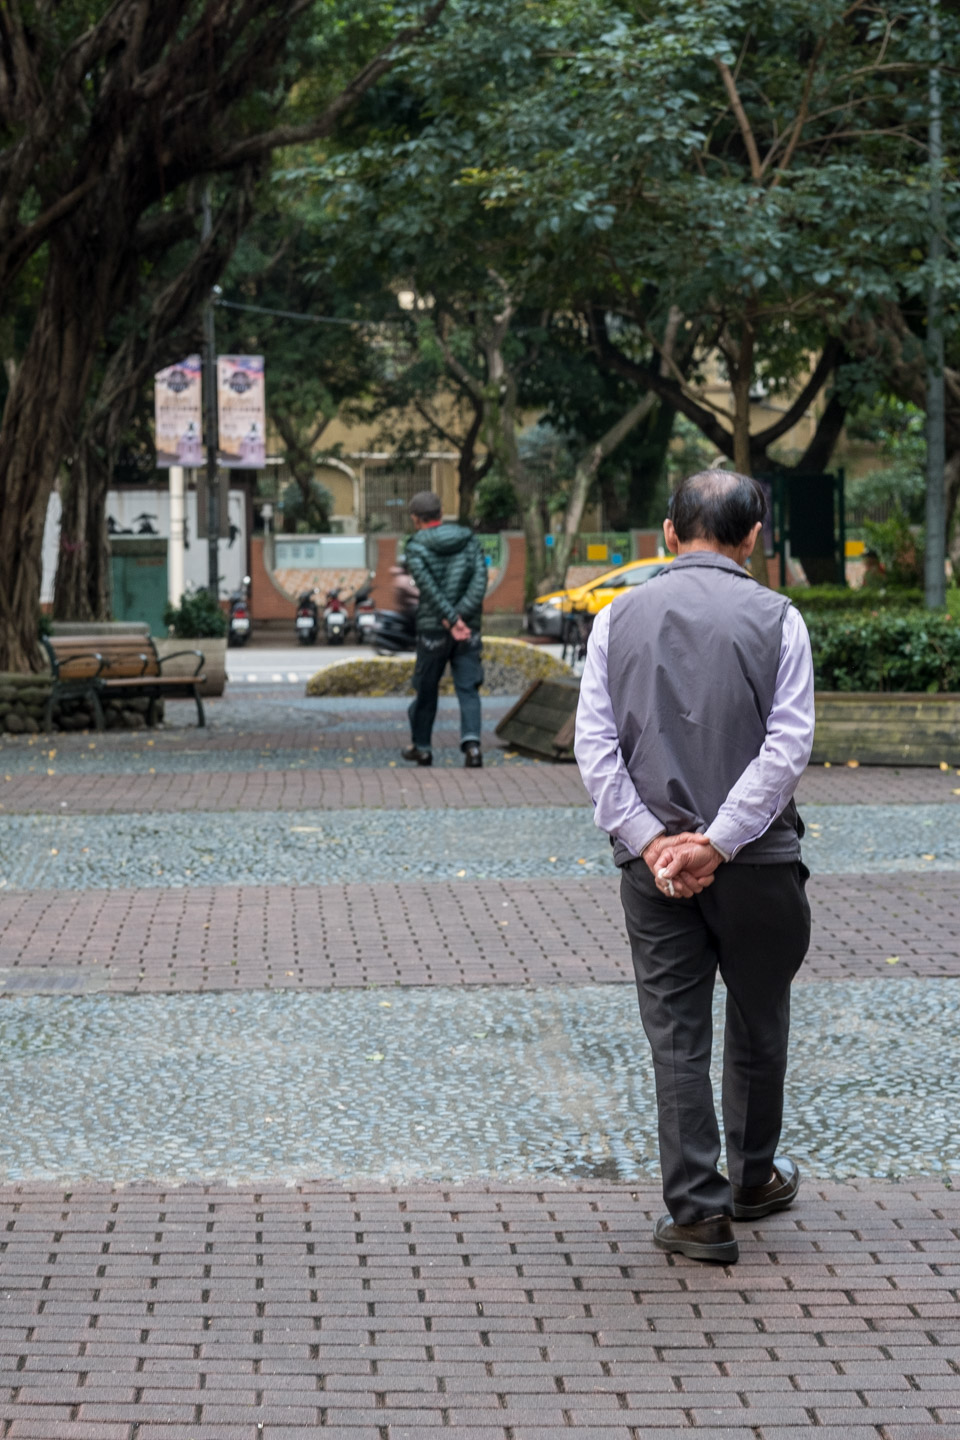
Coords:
pixel 83 590
pixel 741 381
pixel 469 473
pixel 41 409
pixel 583 478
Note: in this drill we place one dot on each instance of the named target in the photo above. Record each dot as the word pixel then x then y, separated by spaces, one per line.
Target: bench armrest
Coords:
pixel 162 659
pixel 61 664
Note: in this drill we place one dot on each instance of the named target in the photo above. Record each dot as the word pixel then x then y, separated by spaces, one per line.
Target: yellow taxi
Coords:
pixel 545 615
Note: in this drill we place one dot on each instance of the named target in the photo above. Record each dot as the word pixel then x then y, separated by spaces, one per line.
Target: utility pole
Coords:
pixel 210 420
pixel 934 581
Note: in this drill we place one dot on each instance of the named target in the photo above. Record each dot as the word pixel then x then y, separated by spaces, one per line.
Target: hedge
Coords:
pixel 890 650
pixel 821 599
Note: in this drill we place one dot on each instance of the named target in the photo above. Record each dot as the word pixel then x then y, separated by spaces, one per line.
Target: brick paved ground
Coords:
pixel 504 1313
pixel 410 788
pixel 405 787
pixel 470 932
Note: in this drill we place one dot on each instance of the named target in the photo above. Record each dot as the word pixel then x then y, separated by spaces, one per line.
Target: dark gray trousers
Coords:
pixel 753 925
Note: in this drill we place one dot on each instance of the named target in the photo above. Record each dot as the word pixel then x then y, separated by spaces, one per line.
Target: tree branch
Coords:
pixel 817 454
pixel 802 115
pixel 736 105
pixel 829 358
pixel 663 386
pixel 284 135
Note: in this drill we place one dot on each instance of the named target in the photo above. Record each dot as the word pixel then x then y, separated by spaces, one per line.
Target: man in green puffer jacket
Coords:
pixel 448 568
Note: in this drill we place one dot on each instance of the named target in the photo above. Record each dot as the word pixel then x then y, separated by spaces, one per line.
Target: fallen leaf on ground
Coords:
pixel 893 959
pixel 853 764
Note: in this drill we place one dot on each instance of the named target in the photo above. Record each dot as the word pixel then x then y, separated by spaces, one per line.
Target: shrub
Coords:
pixel 894 651
pixel 196 617
pixel 509 666
pixel 829 599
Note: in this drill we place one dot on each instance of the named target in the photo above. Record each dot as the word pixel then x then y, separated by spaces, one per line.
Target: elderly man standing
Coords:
pixel 694 725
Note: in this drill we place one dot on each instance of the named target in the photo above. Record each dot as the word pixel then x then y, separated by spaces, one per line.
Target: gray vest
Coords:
pixel 692 665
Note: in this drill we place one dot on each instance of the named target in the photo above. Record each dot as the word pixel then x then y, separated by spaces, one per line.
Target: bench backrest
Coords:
pixel 109 657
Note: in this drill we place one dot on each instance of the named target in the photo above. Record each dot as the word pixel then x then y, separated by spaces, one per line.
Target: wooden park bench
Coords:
pixel 99 667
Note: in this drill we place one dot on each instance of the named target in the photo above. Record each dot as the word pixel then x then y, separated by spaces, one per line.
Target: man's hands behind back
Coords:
pixel 682 865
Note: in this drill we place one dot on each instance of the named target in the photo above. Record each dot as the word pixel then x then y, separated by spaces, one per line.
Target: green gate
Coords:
pixel 138 568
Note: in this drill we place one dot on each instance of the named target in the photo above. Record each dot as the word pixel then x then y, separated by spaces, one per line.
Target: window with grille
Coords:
pixel 388 490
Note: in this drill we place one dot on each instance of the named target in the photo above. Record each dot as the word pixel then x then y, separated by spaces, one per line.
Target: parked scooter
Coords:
pixel 335 618
pixel 238 624
pixel 308 618
pixel 396 630
pixel 364 617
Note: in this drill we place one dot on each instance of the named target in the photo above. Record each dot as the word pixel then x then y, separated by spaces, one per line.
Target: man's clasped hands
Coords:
pixel 682 865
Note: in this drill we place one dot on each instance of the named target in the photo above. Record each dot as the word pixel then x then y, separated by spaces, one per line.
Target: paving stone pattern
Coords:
pixel 460 933
pixel 501 1313
pixel 315 847
pixel 403 787
pixel 412 1084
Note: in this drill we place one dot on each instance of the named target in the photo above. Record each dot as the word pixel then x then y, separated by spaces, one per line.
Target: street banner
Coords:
pixel 178 414
pixel 241 410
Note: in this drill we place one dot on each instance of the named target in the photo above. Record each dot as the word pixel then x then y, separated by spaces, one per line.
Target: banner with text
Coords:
pixel 178 414
pixel 241 410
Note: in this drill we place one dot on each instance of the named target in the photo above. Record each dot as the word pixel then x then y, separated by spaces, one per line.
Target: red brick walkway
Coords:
pixel 468 932
pixel 502 1313
pixel 404 788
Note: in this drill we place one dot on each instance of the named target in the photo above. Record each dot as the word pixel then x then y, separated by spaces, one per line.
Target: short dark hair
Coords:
pixel 426 505
pixel 717 505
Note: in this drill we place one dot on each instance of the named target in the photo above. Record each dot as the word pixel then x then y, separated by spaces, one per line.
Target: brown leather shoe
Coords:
pixel 750 1202
pixel 420 757
pixel 710 1239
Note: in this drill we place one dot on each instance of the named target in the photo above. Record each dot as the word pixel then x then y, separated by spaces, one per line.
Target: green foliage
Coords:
pixel 899 551
pixel 831 599
pixel 911 650
pixel 306 515
pixel 897 430
pixel 496 501
pixel 196 617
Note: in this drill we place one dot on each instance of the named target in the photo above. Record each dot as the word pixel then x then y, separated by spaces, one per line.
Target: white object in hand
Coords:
pixel 662 875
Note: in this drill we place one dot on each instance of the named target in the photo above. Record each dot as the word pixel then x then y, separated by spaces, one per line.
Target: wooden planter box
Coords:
pixel 878 729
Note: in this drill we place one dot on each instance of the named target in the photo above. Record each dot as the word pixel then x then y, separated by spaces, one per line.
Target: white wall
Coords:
pixel 125 505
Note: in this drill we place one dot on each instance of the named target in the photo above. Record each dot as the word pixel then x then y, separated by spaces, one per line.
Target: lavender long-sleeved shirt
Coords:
pixel 762 791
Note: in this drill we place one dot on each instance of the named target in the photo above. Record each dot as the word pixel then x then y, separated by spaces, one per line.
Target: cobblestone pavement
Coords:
pixel 312 847
pixel 416 1084
pixel 486 1011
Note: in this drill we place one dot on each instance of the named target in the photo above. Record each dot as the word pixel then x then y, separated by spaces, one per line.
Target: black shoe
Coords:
pixel 710 1239
pixel 472 757
pixel 750 1202
pixel 422 757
